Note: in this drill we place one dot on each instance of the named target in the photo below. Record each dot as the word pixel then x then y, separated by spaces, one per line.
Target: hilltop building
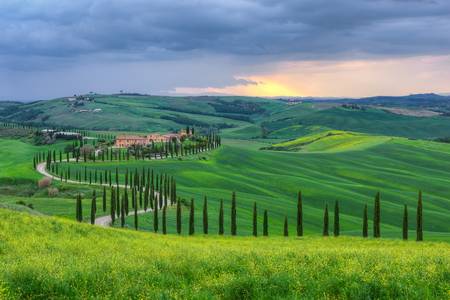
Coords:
pixel 123 141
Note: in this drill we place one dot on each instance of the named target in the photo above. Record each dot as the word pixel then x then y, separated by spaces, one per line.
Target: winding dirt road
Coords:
pixel 101 221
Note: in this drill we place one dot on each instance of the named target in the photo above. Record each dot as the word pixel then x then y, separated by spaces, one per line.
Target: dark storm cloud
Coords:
pixel 62 30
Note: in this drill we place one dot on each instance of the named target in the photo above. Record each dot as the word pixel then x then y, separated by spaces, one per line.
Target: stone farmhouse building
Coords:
pixel 123 141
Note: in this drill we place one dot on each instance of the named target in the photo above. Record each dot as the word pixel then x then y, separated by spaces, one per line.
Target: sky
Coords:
pixel 321 48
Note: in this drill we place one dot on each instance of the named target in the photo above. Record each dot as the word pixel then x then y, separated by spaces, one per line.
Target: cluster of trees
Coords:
pixel 80 151
pixel 119 209
pixel 172 148
pixel 17 125
pixel 38 128
pixel 142 192
pixel 365 225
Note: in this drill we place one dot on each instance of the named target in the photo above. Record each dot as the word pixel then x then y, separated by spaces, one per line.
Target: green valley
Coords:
pixel 266 156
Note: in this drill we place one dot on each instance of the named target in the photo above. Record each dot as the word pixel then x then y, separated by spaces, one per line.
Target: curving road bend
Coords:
pixel 101 221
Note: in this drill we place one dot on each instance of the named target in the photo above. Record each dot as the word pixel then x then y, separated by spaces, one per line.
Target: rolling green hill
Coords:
pixel 54 258
pixel 331 141
pixel 398 168
pixel 329 152
pixel 141 113
pixel 237 117
pixel 299 119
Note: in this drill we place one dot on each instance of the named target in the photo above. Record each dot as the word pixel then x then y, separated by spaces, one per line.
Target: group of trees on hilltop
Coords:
pixel 86 152
pixel 160 200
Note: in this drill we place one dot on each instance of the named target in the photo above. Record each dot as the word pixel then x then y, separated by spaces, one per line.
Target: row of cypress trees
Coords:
pixel 163 150
pixel 377 220
pixel 161 207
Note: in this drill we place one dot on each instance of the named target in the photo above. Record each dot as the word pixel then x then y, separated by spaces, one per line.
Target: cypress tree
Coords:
pixel 118 204
pixel 122 212
pixel 233 214
pixel 93 207
pixel 179 216
pixel 419 225
pixel 299 214
pixel 286 227
pixel 113 205
pixel 205 216
pixel 221 231
pixel 336 227
pixel 135 215
pixel 104 199
pixel 266 223
pixel 164 222
pixel 79 209
pixel 140 197
pixel 191 219
pixel 377 217
pixel 365 230
pixel 325 221
pixel 405 222
pixel 255 220
pixel 155 216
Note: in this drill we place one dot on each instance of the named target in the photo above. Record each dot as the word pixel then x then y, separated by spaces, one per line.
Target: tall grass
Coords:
pixel 43 257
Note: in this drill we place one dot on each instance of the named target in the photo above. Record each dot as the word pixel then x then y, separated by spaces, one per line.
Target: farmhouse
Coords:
pixel 130 140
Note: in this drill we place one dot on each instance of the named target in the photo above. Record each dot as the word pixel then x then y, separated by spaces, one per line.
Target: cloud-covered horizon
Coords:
pixel 201 44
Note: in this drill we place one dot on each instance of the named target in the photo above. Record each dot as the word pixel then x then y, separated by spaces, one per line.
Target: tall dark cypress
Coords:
pixel 155 216
pixel 255 220
pixel 135 214
pixel 104 199
pixel 221 229
pixel 405 222
pixel 205 216
pixel 233 214
pixel 365 229
pixel 191 219
pixel 118 206
pixel 325 221
pixel 164 220
pixel 337 226
pixel 286 227
pixel 299 214
pixel 179 216
pixel 266 223
pixel 113 205
pixel 419 225
pixel 122 212
pixel 79 209
pixel 93 207
pixel 377 217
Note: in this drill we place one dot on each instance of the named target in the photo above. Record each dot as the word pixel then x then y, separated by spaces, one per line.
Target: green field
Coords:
pixel 53 258
pixel 396 167
pixel 270 151
pixel 237 117
pixel 331 141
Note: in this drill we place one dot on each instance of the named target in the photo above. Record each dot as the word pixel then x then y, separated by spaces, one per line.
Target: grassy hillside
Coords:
pixel 398 168
pixel 61 259
pixel 142 113
pixel 331 141
pixel 237 117
pixel 299 118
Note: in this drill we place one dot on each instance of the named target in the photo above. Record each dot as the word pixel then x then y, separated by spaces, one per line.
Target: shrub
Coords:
pixel 88 149
pixel 52 191
pixel 45 182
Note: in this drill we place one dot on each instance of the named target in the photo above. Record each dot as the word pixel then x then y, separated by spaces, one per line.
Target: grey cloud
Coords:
pixel 158 29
